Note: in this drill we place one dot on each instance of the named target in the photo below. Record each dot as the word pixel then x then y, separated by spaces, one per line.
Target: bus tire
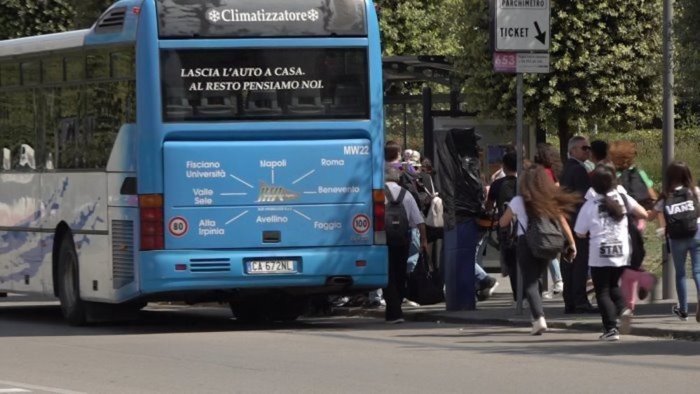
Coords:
pixel 74 309
pixel 286 308
pixel 248 311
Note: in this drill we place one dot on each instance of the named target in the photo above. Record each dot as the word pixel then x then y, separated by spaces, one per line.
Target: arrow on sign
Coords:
pixel 541 35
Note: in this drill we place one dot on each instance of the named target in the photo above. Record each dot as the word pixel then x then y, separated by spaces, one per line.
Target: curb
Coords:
pixel 428 317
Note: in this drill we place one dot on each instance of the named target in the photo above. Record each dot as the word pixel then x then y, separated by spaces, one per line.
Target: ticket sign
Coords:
pixel 522 25
pixel 516 62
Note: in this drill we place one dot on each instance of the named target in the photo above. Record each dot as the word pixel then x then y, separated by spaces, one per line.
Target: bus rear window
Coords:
pixel 270 84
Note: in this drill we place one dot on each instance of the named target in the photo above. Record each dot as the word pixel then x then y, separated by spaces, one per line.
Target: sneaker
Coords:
pixel 626 321
pixel 408 302
pixel 486 288
pixel 538 326
pixel 547 295
pixel 558 287
pixel 395 321
pixel 683 315
pixel 610 335
pixel 341 301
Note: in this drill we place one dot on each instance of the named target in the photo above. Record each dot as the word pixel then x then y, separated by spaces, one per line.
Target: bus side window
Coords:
pixel 6 159
pixel 27 158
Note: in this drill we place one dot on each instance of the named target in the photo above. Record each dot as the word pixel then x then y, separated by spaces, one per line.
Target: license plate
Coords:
pixel 271 267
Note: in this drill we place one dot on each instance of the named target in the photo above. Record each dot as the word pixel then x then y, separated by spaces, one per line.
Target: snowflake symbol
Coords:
pixel 313 15
pixel 214 16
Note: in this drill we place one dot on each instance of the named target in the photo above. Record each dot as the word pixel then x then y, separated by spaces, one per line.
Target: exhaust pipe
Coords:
pixel 339 281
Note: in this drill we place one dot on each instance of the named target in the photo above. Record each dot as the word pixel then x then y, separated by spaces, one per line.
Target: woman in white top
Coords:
pixel 603 219
pixel 538 196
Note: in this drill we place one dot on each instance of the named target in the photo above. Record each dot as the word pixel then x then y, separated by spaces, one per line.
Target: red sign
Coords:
pixel 505 62
pixel 178 226
pixel 360 224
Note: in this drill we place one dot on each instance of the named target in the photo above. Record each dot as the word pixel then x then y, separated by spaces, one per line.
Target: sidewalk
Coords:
pixel 651 319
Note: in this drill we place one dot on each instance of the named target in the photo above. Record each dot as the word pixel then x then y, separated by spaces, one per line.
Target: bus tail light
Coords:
pixel 151 215
pixel 378 209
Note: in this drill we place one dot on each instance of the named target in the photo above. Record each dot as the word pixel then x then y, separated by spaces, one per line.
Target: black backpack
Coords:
pixel 505 194
pixel 414 184
pixel 544 237
pixel 637 250
pixel 681 214
pixel 396 220
pixel 632 181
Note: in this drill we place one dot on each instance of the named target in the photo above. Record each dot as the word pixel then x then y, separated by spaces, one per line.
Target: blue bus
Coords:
pixel 192 151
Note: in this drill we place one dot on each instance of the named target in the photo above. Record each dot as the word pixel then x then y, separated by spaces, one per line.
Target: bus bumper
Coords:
pixel 195 270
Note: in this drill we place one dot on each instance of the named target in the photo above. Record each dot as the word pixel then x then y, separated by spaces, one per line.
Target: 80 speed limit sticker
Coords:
pixel 360 223
pixel 177 226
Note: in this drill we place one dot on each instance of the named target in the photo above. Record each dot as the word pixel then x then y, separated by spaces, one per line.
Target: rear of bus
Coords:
pixel 260 153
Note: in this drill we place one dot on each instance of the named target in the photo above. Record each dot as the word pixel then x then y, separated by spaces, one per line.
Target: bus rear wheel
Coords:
pixel 73 307
pixel 270 308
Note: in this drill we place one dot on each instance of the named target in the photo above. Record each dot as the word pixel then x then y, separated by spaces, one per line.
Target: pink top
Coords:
pixel 550 172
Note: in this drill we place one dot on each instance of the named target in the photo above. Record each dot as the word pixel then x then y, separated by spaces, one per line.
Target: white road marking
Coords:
pixel 54 390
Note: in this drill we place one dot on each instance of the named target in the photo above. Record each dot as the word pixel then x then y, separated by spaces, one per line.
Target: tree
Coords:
pixel 688 58
pixel 87 11
pixel 414 27
pixel 605 66
pixel 21 18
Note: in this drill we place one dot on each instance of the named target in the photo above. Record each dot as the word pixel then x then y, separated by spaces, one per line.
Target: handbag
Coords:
pixel 424 283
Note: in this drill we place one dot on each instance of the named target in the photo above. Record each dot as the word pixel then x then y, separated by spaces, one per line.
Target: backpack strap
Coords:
pixel 390 196
pixel 402 194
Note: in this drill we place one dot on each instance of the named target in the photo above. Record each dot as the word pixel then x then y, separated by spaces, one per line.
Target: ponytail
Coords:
pixel 613 208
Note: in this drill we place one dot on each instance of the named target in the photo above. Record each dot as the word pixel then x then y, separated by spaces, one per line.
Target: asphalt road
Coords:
pixel 173 349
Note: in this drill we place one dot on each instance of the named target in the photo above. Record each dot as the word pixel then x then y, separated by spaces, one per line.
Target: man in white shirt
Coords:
pixel 395 291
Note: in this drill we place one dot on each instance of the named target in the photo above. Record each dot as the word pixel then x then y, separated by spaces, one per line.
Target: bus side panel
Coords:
pixel 21 254
pixel 122 250
pixel 79 199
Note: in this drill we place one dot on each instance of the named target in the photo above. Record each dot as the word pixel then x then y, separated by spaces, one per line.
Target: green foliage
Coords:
pixel 687 52
pixel 87 11
pixel 21 18
pixel 605 66
pixel 414 27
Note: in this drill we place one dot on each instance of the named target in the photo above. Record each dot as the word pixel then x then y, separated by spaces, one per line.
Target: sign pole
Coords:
pixel 519 150
pixel 668 272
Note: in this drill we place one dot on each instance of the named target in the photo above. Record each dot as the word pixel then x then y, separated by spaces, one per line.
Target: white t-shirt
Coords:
pixel 659 207
pixel 609 240
pixel 415 217
pixel 591 194
pixel 517 206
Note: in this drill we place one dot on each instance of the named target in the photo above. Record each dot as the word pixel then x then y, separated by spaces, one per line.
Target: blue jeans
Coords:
pixel 554 270
pixel 413 251
pixel 479 275
pixel 679 250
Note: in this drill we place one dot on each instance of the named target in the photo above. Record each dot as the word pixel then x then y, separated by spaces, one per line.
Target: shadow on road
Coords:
pixel 46 320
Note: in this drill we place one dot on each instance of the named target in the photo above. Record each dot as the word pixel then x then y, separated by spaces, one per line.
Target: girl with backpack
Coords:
pixel 604 220
pixel 678 205
pixel 538 199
